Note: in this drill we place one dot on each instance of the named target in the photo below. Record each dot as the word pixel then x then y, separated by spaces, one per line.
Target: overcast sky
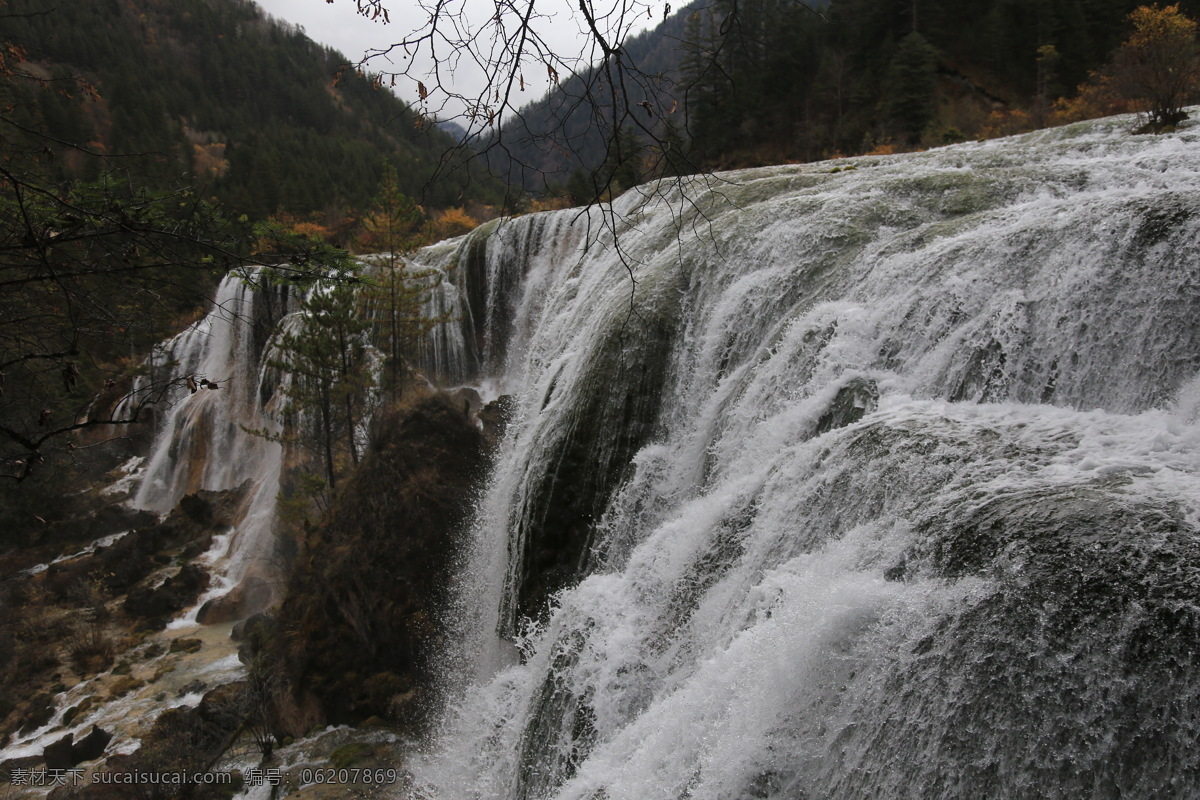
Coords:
pixel 337 25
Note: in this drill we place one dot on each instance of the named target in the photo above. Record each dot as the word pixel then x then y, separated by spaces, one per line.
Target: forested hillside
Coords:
pixel 215 91
pixel 141 143
pixel 891 73
pixel 757 82
pixel 528 158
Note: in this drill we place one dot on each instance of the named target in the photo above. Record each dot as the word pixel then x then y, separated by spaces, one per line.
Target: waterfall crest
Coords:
pixel 870 478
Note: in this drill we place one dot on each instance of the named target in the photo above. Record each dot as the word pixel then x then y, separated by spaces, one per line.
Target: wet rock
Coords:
pixel 91 746
pixel 495 416
pixel 212 509
pixel 116 519
pixel 188 531
pixel 225 705
pixel 184 645
pixel 250 627
pixel 37 713
pixel 466 399
pixel 75 712
pixel 157 605
pixel 123 686
pixel 28 763
pixel 57 755
pixel 297 716
pixel 181 740
pixel 348 755
pixel 250 596
pixel 580 465
pixel 852 402
pixel 197 508
pixel 95 524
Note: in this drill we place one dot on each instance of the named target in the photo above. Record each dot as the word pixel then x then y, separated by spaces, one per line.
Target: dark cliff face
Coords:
pixel 364 611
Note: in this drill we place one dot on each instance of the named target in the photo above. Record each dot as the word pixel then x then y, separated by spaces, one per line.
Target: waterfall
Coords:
pixel 201 441
pixel 868 478
pixel 201 437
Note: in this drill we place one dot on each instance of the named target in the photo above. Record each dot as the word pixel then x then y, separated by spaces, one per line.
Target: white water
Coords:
pixel 201 444
pixel 875 483
pixel 201 438
pixel 889 484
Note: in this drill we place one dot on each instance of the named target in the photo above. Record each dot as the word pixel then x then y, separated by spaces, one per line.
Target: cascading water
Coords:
pixel 879 479
pixel 200 442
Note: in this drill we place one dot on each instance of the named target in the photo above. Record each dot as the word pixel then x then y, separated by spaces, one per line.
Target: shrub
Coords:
pixel 1158 64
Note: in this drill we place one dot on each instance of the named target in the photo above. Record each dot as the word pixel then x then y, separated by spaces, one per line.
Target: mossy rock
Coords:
pixel 123 686
pixel 122 668
pixel 350 754
pixel 153 650
pixel 417 478
pixel 85 705
pixel 37 713
pixel 186 645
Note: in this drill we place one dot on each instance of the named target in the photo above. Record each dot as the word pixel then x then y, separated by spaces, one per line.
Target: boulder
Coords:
pixel 175 594
pixel 196 508
pixel 57 755
pixel 36 713
pixel 28 764
pixel 253 626
pixel 91 746
pixel 249 597
pixel 494 418
pixel 467 399
pixel 852 402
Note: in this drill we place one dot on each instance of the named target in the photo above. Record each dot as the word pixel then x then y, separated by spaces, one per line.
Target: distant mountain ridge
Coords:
pixel 528 157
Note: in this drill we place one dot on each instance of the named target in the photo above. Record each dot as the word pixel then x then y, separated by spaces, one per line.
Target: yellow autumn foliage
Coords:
pixel 453 222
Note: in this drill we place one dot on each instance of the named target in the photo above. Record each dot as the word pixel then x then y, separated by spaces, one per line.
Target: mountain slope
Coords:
pixel 217 90
pixel 532 155
pixel 787 82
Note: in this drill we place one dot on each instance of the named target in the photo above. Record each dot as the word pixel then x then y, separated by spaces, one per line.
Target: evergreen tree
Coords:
pixel 323 354
pixel 910 83
pixel 708 86
pixel 622 167
pixel 581 188
pixel 400 293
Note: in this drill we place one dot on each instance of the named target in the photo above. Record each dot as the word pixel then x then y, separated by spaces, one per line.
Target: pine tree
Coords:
pixel 581 187
pixel 324 355
pixel 707 86
pixel 622 168
pixel 400 293
pixel 911 84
